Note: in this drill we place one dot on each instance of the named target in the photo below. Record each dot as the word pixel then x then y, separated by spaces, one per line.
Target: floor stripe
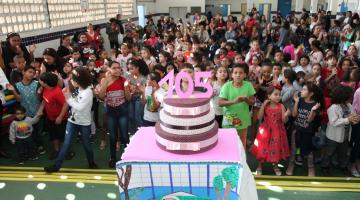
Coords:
pixel 62 169
pixel 306 177
pixel 309 184
pixel 271 188
pixel 312 189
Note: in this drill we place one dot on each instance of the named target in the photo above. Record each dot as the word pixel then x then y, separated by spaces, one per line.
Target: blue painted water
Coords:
pixel 146 193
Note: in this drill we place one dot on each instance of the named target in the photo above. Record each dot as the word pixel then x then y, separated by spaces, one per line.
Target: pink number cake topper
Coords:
pixel 198 82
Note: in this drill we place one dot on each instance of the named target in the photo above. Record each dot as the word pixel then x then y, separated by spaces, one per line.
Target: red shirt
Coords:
pixel 115 93
pixel 54 100
pixel 325 72
pixel 99 63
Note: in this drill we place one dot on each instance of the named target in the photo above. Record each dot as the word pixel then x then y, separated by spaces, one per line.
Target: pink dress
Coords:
pixel 271 144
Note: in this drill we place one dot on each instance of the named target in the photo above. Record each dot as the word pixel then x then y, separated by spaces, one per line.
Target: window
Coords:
pixel 126 7
pixel 21 15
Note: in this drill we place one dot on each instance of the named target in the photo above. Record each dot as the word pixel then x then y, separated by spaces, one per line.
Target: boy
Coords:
pixel 235 97
pixel 331 74
pixel 25 92
pixel 152 97
pixel 16 73
pixel 56 110
pixel 20 134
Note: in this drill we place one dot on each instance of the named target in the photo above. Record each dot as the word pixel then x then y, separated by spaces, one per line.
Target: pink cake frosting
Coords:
pixel 186 126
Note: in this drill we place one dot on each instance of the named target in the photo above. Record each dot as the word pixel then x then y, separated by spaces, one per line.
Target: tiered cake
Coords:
pixel 186 126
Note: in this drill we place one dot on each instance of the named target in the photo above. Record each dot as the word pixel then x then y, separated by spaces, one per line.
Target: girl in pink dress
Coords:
pixel 271 144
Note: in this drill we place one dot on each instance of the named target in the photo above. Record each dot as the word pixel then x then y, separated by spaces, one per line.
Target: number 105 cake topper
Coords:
pixel 198 82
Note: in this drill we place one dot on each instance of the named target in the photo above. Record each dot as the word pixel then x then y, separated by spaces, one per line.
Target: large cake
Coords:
pixel 186 126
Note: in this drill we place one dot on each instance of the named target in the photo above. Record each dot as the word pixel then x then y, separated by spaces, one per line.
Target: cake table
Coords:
pixel 148 172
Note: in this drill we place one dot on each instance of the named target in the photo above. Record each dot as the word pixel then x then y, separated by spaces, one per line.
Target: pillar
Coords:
pixel 249 5
pixel 313 6
pixel 333 6
pixel 299 5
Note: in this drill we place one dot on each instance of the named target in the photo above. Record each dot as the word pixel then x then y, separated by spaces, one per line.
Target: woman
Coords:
pixel 116 92
pixel 13 47
pixel 91 35
pixel 52 62
pixel 65 49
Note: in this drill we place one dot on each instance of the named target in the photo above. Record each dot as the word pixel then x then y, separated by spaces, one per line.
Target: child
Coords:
pixel 288 90
pixel 351 78
pixel 277 74
pixel 148 58
pixel 138 71
pixel 76 58
pixel 67 71
pixel 255 69
pixel 331 74
pixel 341 116
pixel 300 81
pixel 79 119
pixel 164 58
pixel 236 96
pixel 56 110
pixel 16 74
pixel 354 160
pixel 304 65
pixel 315 75
pixel 271 143
pixel 20 132
pixel 103 56
pixel 26 93
pixel 152 97
pixel 220 78
pixel 85 48
pixel 116 94
pixel 124 56
pixel 239 59
pixel 306 113
pixel 254 51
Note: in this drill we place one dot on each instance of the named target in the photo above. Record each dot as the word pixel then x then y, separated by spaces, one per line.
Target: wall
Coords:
pixel 162 6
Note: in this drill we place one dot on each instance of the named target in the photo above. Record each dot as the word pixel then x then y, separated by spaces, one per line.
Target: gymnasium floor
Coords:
pixel 29 182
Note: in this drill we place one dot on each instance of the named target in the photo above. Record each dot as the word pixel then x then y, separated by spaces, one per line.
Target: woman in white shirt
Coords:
pixel 79 118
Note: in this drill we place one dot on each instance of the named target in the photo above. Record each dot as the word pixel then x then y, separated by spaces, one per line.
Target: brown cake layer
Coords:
pixel 188 116
pixel 186 138
pixel 187 151
pixel 186 103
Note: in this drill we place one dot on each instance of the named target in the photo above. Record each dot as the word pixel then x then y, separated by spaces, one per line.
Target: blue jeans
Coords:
pixel 71 130
pixel 136 112
pixel 118 120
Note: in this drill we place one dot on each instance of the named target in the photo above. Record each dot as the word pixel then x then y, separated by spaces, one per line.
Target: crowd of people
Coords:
pixel 289 85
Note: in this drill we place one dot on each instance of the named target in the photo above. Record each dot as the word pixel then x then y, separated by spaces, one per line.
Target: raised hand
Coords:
pixel 317 106
pixel 32 48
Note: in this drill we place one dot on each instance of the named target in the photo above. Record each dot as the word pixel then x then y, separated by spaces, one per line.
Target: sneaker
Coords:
pixel 112 163
pixel 35 158
pixel 70 155
pixel 53 155
pixel 277 170
pixel 102 144
pixel 21 162
pixel 258 171
pixel 41 150
pixel 298 161
pixel 51 169
pixel 93 166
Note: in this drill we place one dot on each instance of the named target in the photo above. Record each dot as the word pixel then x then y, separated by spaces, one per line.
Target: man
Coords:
pixel 203 34
pixel 119 22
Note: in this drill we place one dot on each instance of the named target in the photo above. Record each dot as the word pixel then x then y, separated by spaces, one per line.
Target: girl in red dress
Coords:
pixel 271 144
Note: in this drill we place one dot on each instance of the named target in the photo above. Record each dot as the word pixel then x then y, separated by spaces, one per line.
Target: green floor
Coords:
pixel 76 182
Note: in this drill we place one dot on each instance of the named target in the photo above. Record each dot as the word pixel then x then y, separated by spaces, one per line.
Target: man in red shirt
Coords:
pixel 56 110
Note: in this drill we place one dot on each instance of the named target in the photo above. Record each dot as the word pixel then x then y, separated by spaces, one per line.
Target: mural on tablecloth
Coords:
pixel 179 180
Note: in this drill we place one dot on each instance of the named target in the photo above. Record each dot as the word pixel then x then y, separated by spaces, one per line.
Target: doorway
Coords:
pixel 178 12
